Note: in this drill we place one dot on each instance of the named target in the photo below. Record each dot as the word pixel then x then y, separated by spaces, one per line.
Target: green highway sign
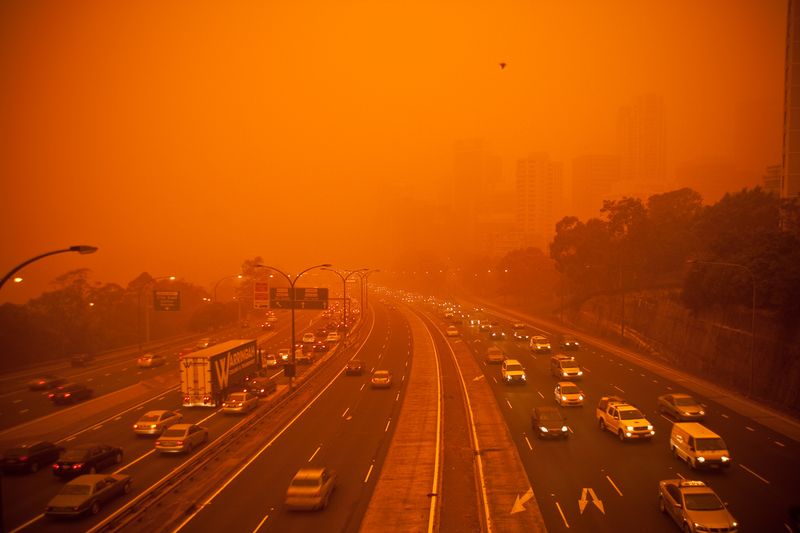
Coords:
pixel 304 298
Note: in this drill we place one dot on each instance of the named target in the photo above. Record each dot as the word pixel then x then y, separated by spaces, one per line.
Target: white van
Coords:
pixel 698 446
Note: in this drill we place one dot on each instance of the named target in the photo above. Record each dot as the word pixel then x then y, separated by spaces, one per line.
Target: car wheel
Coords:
pixel 189 448
pixel 34 467
pixel 95 508
pixel 601 424
pixel 621 436
pixel 118 458
pixel 661 505
pixel 126 488
pixel 92 470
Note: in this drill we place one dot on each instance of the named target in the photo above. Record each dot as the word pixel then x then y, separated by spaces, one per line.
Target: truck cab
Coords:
pixel 623 419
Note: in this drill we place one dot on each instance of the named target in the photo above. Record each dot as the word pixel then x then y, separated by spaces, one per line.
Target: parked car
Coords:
pixel 149 360
pixel 86 459
pixel 548 421
pixel 46 381
pixel 70 393
pixel 381 379
pixel 354 367
pixel 181 438
pixel 81 359
pixel 681 407
pixel 31 456
pixel 240 403
pixel 87 494
pixel 155 422
pixel 310 489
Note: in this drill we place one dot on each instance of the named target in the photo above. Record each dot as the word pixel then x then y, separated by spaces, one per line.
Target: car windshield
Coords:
pixel 236 397
pixel 549 415
pixel 75 488
pixel 514 368
pixel 631 414
pixel 572 389
pixel 705 501
pixel 567 364
pixel 172 433
pixel 381 375
pixel 149 418
pixel 305 482
pixel 710 444
pixel 74 455
pixel 685 401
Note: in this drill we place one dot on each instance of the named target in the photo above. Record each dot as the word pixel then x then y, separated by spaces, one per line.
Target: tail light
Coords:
pixel 186 399
pixel 77 466
pixel 179 443
pixel 24 458
pixel 67 395
pixel 158 443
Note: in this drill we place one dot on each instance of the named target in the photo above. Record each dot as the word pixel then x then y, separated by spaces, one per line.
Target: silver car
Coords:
pixel 181 438
pixel 310 489
pixel 155 422
pixel 240 402
pixel 681 407
pixel 87 494
pixel 694 506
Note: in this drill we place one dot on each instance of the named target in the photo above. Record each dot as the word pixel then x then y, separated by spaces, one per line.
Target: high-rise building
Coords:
pixel 540 198
pixel 790 186
pixel 593 179
pixel 476 173
pixel 772 179
pixel 642 144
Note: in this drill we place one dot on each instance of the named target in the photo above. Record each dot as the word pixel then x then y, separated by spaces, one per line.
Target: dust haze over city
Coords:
pixel 184 138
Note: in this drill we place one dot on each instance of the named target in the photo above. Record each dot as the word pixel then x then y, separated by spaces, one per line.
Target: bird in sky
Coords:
pixel 502 65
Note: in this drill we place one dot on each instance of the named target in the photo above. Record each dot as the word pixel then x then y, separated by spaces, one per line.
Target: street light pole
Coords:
pixel 81 249
pixel 752 309
pixel 365 288
pixel 292 305
pixel 344 293
pixel 221 280
pixel 147 309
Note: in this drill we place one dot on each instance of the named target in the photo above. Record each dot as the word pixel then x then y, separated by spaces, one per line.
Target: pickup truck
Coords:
pixel 623 419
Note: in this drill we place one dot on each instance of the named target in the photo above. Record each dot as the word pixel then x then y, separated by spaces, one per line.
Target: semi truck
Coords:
pixel 207 375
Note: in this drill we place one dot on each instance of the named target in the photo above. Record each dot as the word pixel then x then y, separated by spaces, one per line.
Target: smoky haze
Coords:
pixel 183 138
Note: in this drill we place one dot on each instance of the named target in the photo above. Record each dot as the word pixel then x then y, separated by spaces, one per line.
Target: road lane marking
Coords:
pixel 17 401
pixel 388 423
pixel 261 523
pixel 748 428
pixel 782 445
pixel 564 518
pixel 97 427
pixel 759 477
pixel 314 454
pixel 614 485
pixel 725 416
pixel 369 472
pixel 118 418
pixel 586 369
pixel 540 394
pixel 24 411
pixel 345 412
pixel 530 447
pixel 622 391
pixel 509 404
pixel 665 418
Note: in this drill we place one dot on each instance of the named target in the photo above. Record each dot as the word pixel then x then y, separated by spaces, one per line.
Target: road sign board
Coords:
pixel 167 300
pixel 261 295
pixel 304 298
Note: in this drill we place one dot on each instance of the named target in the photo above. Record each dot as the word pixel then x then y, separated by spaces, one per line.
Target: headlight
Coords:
pixel 702 412
pixel 701 459
pixel 650 427
pixel 524 377
pixel 564 373
pixel 580 397
pixel 563 398
pixel 580 372
pixel 153 426
pixel 543 429
pixel 725 458
pixel 564 429
pixel 629 428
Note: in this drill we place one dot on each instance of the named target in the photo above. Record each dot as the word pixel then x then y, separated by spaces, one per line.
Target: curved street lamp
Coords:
pixel 81 249
pixel 752 308
pixel 150 283
pixel 292 305
pixel 365 287
pixel 344 292
pixel 221 280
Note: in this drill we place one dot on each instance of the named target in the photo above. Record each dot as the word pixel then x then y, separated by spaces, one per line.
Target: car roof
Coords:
pixel 156 412
pixel 88 479
pixel 567 384
pixel 546 409
pixel 511 362
pixel 180 426
pixel 309 473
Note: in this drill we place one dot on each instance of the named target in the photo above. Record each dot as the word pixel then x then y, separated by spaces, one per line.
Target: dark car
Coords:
pixel 321 333
pixel 30 456
pixel 266 325
pixel 81 359
pixel 497 335
pixel 86 459
pixel 355 367
pixel 547 421
pixel 70 393
pixel 568 342
pixel 320 346
pixel 87 494
pixel 47 381
pixel 261 386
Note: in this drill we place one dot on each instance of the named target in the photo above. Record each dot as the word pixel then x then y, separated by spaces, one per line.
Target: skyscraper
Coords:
pixel 642 144
pixel 593 179
pixel 790 186
pixel 475 174
pixel 540 191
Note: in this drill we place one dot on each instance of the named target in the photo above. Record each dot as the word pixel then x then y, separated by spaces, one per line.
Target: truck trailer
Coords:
pixel 208 374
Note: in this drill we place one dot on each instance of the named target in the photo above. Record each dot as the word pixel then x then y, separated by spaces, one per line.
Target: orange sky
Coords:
pixel 184 137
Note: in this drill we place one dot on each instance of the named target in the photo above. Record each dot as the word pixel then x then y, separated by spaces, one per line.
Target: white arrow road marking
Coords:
pixel 519 503
pixel 478 378
pixel 595 500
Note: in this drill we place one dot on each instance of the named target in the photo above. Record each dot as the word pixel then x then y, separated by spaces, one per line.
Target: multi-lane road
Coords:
pixel 589 482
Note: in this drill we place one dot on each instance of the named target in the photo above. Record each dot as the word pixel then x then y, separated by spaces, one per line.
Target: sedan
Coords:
pixel 309 337
pixel 70 393
pixel 547 421
pixel 681 407
pixel 87 494
pixel 261 387
pixel 181 438
pixel 155 422
pixel 30 456
pixel 47 381
pixel 567 393
pixel 452 331
pixel 568 342
pixel 694 506
pixel 355 367
pixel 150 360
pixel 86 459
pixel 320 346
pixel 332 337
pixel 239 403
pixel 310 489
pixel 381 379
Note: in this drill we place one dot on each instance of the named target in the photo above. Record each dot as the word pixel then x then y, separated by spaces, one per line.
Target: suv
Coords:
pixel 694 506
pixel 513 372
pixel 540 344
pixel 619 417
pixel 565 367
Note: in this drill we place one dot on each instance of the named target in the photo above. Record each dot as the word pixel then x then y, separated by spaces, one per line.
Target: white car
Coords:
pixel 155 422
pixel 333 337
pixel 452 331
pixel 309 338
pixel 271 360
pixel 150 360
pixel 568 393
pixel 240 402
